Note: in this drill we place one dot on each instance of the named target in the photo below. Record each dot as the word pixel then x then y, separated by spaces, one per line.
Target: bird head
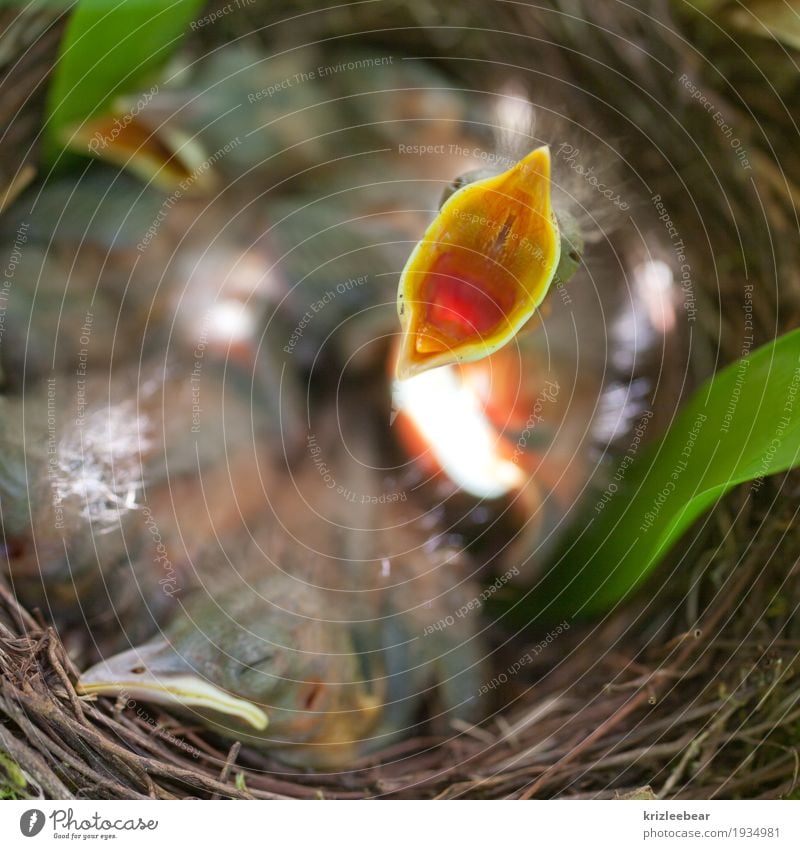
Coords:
pixel 260 664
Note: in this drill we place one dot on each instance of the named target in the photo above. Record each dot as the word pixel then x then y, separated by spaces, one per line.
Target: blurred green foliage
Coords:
pixel 110 47
pixel 742 425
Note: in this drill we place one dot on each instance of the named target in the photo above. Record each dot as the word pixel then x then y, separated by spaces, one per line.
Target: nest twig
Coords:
pixel 710 709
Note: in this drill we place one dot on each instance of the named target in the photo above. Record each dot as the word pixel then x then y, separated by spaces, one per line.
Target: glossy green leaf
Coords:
pixel 741 426
pixel 110 47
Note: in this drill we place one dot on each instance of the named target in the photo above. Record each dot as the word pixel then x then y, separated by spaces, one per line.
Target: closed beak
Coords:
pixel 156 673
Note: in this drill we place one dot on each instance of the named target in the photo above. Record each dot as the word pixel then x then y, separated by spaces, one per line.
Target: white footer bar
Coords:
pixel 415 824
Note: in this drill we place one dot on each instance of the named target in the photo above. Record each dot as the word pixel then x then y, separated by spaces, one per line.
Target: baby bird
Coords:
pixel 326 637
pixel 531 318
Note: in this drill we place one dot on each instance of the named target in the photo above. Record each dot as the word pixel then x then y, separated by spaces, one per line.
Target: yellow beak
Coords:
pixel 149 674
pixel 482 268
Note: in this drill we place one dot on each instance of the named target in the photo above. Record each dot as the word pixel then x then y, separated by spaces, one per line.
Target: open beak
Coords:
pixel 482 268
pixel 167 157
pixel 155 673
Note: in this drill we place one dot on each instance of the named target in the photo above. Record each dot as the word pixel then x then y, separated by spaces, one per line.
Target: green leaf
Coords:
pixel 741 426
pixel 110 47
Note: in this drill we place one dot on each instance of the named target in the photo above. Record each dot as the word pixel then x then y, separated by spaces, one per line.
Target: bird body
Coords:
pixel 92 472
pixel 317 641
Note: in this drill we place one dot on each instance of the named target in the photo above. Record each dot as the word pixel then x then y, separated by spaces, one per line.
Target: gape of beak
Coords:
pixel 482 268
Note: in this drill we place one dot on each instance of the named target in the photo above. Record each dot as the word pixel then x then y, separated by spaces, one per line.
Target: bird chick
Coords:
pixel 323 641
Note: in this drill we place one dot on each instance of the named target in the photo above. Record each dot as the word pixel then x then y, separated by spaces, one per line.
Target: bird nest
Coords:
pixel 685 691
